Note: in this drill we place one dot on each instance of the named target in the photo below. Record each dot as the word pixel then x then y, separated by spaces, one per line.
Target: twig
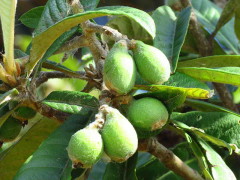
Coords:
pixel 226 97
pixel 45 76
pixel 205 48
pixel 112 33
pixel 169 159
pixel 75 43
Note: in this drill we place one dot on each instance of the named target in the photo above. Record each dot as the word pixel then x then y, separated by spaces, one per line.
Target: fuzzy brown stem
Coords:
pixel 169 159
pixel 45 76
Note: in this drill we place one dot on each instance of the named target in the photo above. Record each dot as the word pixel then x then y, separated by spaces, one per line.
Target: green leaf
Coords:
pixel 98 170
pixel 43 41
pixel 202 161
pixel 130 28
pixel 227 75
pixel 237 22
pixel 24 146
pixel 208 14
pixel 195 93
pixel 32 17
pixel 58 43
pixel 54 11
pixel 7 15
pixel 171 98
pixel 220 125
pixel 185 81
pixel 200 133
pixel 89 4
pixel 51 158
pixel 208 107
pixel 73 102
pixel 7 96
pixel 212 61
pixel 219 169
pixel 120 171
pixel 171 29
pixel 226 15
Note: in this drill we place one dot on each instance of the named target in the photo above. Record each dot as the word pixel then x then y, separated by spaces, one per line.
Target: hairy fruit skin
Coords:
pixel 147 114
pixel 10 129
pixel 85 147
pixel 119 136
pixel 152 64
pixel 119 72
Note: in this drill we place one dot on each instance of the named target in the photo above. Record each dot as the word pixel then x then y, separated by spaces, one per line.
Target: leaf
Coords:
pixel 171 98
pixel 7 15
pixel 120 171
pixel 54 11
pixel 130 28
pixel 219 169
pixel 202 161
pixel 227 75
pixel 15 156
pixel 220 125
pixel 208 107
pixel 98 170
pixel 73 102
pixel 212 61
pixel 51 158
pixel 7 96
pixel 237 22
pixel 171 29
pixel 185 81
pixel 32 17
pixel 89 4
pixel 195 93
pixel 201 134
pixel 208 14
pixel 42 42
pixel 226 15
pixel 58 43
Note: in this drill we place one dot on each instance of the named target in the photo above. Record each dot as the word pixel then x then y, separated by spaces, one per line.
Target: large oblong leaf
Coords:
pixel 43 41
pixel 119 171
pixel 73 102
pixel 221 125
pixel 212 61
pixel 7 15
pixel 51 159
pixel 195 93
pixel 16 155
pixel 171 31
pixel 227 75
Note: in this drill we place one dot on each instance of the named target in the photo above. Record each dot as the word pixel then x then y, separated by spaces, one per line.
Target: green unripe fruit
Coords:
pixel 85 147
pixel 10 129
pixel 119 136
pixel 152 64
pixel 22 113
pixel 147 114
pixel 119 72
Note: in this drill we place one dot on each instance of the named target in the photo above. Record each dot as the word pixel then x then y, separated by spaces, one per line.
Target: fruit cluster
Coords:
pixel 120 68
pixel 117 135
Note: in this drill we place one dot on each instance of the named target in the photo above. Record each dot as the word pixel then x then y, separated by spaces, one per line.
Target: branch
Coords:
pixel 169 159
pixel 205 48
pixel 55 74
pixel 112 33
pixel 75 43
